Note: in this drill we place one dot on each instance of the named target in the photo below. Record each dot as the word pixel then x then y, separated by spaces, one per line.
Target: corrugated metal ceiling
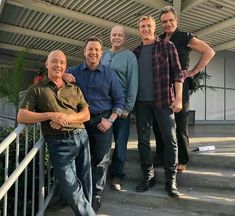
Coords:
pixel 42 26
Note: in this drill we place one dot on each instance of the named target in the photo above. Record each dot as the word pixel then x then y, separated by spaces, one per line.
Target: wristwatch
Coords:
pixel 111 120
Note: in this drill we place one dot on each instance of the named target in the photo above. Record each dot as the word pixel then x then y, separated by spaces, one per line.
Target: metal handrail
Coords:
pixel 37 148
pixel 20 168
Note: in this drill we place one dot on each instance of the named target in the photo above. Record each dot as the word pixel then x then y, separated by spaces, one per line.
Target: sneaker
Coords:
pixel 146 184
pixel 181 167
pixel 116 184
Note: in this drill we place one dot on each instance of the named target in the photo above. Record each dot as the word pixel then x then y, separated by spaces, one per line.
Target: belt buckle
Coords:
pixel 76 131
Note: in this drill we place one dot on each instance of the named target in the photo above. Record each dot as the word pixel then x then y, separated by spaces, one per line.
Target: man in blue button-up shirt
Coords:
pixel 103 92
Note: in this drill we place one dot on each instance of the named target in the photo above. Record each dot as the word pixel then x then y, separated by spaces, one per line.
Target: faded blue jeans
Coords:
pixel 70 157
pixel 121 129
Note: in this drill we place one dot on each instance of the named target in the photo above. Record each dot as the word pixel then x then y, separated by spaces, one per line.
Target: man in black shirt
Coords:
pixel 184 43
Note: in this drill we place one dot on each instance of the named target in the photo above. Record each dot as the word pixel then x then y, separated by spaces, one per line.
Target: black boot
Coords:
pixel 172 190
pixel 146 184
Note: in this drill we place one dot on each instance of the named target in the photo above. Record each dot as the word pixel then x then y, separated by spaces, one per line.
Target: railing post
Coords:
pixel 41 179
pixel 6 177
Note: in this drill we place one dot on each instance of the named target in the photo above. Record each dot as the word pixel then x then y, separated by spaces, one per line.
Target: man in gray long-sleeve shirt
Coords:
pixel 124 63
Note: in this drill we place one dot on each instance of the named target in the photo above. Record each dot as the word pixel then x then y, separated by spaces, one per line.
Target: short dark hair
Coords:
pixel 93 38
pixel 168 9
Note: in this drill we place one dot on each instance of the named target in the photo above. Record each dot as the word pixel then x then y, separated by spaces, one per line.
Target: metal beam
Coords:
pixel 25 68
pixel 177 6
pixel 157 4
pixel 32 33
pixel 68 14
pixel 187 5
pixel 33 51
pixel 37 34
pixel 217 27
pixel 2 3
pixel 27 62
pixel 225 46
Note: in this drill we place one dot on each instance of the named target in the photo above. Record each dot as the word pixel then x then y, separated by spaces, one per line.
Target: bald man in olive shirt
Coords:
pixel 62 109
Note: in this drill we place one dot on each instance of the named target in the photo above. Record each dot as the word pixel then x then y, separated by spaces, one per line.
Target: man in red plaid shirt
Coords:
pixel 159 96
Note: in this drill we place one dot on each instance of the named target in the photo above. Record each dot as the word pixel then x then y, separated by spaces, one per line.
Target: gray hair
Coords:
pixel 168 9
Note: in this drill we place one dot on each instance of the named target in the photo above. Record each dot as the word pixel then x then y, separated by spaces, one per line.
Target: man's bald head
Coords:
pixel 56 64
pixel 118 37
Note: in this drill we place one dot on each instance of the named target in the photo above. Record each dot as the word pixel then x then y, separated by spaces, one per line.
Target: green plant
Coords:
pixel 197 82
pixel 11 81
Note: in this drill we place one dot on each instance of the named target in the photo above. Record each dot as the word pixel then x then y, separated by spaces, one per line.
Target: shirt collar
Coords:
pixel 48 81
pixel 100 68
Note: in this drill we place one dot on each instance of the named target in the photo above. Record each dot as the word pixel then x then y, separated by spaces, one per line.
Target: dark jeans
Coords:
pixel 181 119
pixel 70 157
pixel 121 129
pixel 145 113
pixel 100 145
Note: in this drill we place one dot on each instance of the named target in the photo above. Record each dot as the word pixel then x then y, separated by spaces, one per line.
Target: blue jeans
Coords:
pixel 145 113
pixel 70 157
pixel 100 144
pixel 121 129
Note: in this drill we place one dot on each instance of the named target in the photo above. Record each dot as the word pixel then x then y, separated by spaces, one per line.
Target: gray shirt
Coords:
pixel 145 91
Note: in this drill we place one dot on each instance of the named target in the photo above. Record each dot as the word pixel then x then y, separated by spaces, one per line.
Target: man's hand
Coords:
pixel 69 78
pixel 60 119
pixel 189 73
pixel 104 125
pixel 176 105
pixel 55 125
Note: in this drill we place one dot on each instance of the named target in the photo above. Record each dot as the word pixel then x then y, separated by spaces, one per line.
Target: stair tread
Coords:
pixel 115 208
pixel 203 194
pixel 213 171
pixel 220 150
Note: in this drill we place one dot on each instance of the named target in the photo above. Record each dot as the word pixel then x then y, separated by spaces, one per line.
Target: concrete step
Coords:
pixel 215 159
pixel 194 200
pixel 192 177
pixel 114 208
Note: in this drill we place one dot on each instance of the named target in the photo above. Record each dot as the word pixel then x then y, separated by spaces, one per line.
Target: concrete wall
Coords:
pixel 219 104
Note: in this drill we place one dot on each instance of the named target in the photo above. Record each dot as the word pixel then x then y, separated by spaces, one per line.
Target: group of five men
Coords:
pixel 107 88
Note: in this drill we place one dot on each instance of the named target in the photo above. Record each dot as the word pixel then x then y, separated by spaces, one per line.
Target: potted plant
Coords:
pixel 196 83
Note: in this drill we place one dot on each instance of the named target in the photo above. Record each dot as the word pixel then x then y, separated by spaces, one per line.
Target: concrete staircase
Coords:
pixel 208 184
pixel 208 188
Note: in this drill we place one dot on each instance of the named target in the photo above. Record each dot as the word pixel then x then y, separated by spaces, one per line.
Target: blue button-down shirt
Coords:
pixel 101 88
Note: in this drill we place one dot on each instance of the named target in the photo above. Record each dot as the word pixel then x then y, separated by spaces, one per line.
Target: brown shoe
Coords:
pixel 181 167
pixel 116 184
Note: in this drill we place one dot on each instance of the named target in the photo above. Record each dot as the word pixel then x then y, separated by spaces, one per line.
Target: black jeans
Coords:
pixel 181 119
pixel 100 147
pixel 145 113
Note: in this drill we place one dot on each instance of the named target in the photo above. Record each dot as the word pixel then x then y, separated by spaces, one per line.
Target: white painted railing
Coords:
pixel 38 185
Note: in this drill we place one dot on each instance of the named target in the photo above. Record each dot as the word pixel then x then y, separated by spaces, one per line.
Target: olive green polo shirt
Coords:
pixel 47 97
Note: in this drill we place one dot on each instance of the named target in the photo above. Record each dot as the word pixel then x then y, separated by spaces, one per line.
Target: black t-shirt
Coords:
pixel 181 40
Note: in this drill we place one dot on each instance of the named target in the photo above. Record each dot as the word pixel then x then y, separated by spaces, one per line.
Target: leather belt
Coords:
pixel 65 134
